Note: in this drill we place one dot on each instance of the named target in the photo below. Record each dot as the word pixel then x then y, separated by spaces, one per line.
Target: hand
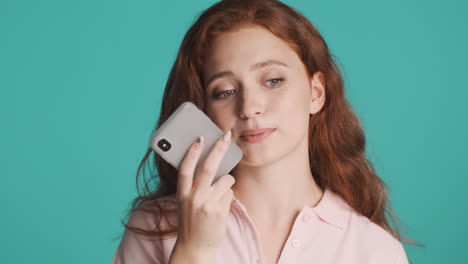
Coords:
pixel 203 208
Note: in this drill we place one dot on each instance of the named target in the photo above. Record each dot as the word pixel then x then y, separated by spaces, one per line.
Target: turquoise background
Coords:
pixel 81 84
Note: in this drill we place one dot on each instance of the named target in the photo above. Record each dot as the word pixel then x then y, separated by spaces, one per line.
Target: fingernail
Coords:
pixel 227 136
pixel 200 140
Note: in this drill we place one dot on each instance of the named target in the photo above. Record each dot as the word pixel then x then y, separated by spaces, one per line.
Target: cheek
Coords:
pixel 292 110
pixel 220 116
pixel 294 100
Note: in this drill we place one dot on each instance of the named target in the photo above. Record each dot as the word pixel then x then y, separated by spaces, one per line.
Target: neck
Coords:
pixel 278 190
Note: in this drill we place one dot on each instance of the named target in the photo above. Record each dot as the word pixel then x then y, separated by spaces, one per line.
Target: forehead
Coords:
pixel 237 50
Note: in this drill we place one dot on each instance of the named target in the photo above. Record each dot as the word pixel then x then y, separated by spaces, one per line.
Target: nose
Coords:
pixel 251 104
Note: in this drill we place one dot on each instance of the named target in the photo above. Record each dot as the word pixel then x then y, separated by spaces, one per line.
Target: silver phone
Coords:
pixel 175 136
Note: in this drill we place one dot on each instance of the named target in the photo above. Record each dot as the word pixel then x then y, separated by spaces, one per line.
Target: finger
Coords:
pixel 226 199
pixel 221 186
pixel 210 165
pixel 187 167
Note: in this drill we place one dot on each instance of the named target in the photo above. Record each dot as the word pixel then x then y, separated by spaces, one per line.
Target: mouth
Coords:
pixel 256 137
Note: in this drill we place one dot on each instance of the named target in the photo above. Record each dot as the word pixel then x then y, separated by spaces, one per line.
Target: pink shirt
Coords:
pixel 330 232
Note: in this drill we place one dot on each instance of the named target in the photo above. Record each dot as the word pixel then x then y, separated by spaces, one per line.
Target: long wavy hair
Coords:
pixel 336 138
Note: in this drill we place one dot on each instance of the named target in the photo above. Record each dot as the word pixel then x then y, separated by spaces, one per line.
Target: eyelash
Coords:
pixel 218 95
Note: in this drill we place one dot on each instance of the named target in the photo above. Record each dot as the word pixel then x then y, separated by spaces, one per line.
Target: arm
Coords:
pixel 401 255
pixel 185 254
pixel 134 249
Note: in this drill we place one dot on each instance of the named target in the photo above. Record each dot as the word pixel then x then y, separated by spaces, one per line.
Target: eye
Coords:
pixel 224 94
pixel 276 81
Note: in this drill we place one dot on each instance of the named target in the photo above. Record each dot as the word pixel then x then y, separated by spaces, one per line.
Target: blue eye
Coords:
pixel 227 93
pixel 278 80
pixel 224 94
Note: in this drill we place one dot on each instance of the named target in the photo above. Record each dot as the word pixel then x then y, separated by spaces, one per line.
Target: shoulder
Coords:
pixel 155 214
pixel 378 243
pixel 137 248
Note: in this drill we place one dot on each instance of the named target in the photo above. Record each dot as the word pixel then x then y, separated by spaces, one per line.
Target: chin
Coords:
pixel 258 159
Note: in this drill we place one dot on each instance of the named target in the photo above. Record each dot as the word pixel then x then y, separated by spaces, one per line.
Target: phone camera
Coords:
pixel 164 145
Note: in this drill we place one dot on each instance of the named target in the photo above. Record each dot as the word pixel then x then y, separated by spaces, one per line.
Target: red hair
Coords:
pixel 336 138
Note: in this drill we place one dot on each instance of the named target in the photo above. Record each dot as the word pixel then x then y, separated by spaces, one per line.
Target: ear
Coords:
pixel 317 92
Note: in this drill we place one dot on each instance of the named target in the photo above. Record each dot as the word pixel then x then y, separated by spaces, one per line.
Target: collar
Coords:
pixel 331 209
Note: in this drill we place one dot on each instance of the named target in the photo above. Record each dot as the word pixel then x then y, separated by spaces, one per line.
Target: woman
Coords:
pixel 304 191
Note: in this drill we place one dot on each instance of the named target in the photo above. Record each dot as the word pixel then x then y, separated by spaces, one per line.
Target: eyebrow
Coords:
pixel 253 67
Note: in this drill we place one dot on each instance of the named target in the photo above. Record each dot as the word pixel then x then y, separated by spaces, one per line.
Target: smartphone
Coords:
pixel 175 136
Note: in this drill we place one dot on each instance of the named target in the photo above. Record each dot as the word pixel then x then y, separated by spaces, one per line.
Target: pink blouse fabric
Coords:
pixel 330 232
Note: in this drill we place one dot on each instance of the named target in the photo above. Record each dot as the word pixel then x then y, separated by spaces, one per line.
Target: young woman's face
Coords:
pixel 274 95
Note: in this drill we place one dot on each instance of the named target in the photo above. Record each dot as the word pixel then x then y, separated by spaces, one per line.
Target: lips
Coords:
pixel 253 132
pixel 256 135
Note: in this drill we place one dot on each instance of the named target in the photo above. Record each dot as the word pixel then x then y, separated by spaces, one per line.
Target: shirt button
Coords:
pixel 305 218
pixel 296 243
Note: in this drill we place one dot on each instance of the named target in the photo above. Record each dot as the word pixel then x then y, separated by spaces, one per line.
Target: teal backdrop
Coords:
pixel 81 86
